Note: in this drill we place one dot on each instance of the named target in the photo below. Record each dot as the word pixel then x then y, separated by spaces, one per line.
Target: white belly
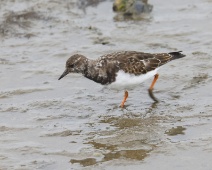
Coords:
pixel 126 80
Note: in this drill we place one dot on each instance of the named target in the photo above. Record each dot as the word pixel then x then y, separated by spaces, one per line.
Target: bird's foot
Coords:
pixel 152 96
pixel 122 106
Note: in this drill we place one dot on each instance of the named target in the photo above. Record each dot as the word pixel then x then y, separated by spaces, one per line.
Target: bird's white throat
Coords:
pixel 126 80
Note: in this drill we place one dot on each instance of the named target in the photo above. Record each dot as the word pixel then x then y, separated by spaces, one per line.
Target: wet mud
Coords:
pixel 78 124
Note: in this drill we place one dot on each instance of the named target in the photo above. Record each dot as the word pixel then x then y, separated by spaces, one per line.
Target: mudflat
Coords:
pixel 76 123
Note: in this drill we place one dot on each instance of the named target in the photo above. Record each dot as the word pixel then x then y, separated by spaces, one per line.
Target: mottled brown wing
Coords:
pixel 136 63
pixel 133 66
pixel 158 60
pixel 163 57
pixel 129 61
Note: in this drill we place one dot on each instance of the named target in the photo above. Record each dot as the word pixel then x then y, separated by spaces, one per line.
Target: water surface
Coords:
pixel 77 124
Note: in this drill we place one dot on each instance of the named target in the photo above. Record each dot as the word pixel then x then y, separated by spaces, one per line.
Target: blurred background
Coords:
pixel 76 123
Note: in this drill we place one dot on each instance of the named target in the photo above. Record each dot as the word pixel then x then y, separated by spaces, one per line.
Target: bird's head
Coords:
pixel 75 64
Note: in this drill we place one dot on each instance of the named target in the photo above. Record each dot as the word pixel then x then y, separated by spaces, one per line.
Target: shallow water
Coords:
pixel 75 123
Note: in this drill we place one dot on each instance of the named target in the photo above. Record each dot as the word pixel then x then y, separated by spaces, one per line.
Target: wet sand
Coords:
pixel 77 124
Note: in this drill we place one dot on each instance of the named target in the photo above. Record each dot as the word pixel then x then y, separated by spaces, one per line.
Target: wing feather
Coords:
pixel 133 62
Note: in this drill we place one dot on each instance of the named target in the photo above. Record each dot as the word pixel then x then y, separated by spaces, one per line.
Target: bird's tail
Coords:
pixel 176 55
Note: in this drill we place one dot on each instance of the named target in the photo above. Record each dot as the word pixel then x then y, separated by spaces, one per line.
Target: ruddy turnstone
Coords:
pixel 121 68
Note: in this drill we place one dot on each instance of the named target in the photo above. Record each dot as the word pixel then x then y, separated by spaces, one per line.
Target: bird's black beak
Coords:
pixel 64 74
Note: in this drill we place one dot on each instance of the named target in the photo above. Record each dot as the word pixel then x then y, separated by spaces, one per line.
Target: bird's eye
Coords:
pixel 71 66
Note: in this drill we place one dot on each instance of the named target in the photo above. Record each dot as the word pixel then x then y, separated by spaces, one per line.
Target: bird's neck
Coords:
pixel 91 71
pixel 83 67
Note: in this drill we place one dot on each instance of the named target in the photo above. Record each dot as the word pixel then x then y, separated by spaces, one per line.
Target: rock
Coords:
pixel 131 9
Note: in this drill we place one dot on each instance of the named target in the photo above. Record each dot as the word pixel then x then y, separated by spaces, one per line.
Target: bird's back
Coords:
pixel 137 63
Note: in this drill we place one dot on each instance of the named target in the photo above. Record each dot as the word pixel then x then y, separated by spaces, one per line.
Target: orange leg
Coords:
pixel 152 86
pixel 124 100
